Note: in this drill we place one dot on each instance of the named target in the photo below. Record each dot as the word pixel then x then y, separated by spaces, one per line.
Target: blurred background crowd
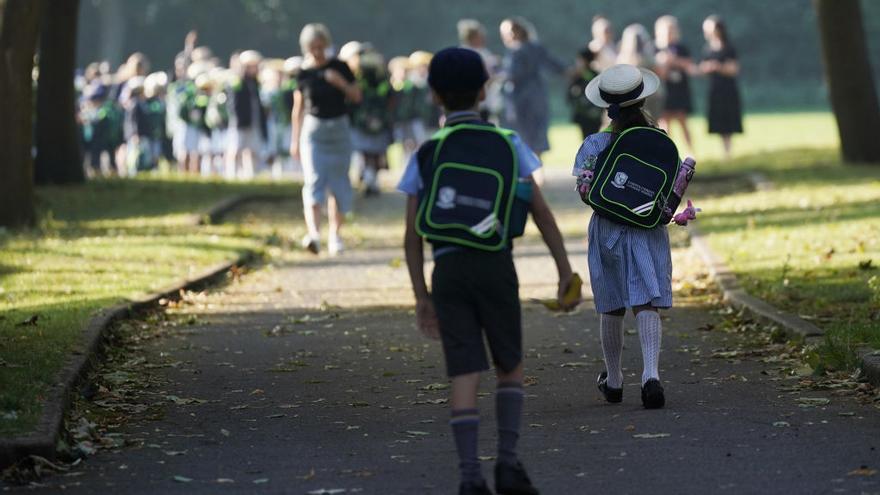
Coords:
pixel 230 116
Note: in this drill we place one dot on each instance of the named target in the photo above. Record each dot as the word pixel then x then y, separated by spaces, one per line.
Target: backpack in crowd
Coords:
pixel 634 177
pixel 471 183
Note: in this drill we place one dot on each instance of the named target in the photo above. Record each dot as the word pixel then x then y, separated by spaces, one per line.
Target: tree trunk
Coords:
pixel 850 80
pixel 59 157
pixel 19 27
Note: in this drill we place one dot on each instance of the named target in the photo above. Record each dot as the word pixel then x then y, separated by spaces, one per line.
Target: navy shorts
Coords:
pixel 476 293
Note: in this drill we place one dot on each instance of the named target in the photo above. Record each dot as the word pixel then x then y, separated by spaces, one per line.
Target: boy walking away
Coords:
pixel 468 195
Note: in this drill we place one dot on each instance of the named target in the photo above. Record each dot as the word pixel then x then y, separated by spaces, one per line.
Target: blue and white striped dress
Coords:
pixel 629 266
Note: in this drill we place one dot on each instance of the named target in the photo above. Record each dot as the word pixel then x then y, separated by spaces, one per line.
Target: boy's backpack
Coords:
pixel 634 177
pixel 471 183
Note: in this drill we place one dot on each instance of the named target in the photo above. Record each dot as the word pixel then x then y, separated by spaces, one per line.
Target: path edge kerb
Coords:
pixel 43 440
pixel 737 297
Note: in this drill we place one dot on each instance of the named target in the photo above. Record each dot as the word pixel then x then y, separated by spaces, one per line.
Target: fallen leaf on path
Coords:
pixel 174 453
pixel 435 386
pixel 182 479
pixel 309 475
pixel 416 433
pixel 260 481
pixel 813 401
pixel 184 401
pixel 225 480
pixel 651 435
pixel 576 364
pixel 862 471
pixel 224 432
pixel 781 424
pixel 327 491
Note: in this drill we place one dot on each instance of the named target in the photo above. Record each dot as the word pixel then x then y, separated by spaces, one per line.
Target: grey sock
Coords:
pixel 465 425
pixel 508 411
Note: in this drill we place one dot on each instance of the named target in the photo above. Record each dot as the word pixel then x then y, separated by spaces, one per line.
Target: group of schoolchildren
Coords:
pixel 469 191
pixel 209 120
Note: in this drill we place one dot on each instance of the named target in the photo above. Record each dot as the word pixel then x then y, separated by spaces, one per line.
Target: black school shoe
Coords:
pixel 613 395
pixel 472 488
pixel 652 394
pixel 511 479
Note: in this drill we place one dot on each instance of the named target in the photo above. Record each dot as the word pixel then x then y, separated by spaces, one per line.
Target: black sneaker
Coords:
pixel 511 479
pixel 652 394
pixel 473 488
pixel 611 394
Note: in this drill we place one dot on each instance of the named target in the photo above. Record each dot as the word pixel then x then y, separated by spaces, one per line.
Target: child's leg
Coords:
pixel 465 423
pixel 650 334
pixel 611 334
pixel 508 412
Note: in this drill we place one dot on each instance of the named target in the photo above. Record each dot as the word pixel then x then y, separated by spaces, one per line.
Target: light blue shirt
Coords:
pixel 411 181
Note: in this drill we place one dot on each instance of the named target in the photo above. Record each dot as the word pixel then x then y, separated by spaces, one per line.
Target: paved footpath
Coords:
pixel 309 377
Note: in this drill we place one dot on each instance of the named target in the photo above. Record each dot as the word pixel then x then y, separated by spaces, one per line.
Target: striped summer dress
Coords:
pixel 629 266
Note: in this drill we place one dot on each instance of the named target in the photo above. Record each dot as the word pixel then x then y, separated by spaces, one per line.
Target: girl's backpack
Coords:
pixel 634 177
pixel 473 196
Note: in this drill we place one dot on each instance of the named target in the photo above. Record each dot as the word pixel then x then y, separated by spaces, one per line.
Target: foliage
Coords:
pixel 777 41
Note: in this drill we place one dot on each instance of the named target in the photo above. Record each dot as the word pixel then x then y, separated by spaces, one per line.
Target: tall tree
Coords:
pixel 19 27
pixel 850 81
pixel 59 158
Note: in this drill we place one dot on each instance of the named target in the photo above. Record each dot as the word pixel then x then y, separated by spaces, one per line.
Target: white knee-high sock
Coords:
pixel 650 334
pixel 611 333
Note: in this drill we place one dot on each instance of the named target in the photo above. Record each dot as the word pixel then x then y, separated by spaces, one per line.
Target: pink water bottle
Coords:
pixel 685 174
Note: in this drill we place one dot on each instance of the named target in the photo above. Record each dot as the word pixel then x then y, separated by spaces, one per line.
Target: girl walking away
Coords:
pixel 674 65
pixel 320 136
pixel 371 119
pixel 720 64
pixel 630 265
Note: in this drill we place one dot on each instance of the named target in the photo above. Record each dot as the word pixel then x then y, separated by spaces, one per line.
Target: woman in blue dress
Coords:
pixel 526 107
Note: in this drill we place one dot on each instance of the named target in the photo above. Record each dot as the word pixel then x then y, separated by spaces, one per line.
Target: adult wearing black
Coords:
pixel 674 66
pixel 720 64
pixel 321 136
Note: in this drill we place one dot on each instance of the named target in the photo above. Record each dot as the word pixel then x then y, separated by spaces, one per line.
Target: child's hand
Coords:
pixel 568 296
pixel 426 318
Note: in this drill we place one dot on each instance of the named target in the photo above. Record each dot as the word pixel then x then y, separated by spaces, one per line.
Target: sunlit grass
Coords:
pixel 98 244
pixel 811 245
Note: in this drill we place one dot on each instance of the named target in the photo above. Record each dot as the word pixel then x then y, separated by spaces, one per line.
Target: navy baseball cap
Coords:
pixel 457 69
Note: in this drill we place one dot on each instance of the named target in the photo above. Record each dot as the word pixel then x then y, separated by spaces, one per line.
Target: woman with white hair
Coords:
pixel 321 136
pixel 637 48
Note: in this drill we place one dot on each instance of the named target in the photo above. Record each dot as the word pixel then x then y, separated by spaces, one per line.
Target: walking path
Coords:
pixel 308 376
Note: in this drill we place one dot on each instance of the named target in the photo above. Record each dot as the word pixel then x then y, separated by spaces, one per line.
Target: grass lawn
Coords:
pixel 810 246
pixel 97 244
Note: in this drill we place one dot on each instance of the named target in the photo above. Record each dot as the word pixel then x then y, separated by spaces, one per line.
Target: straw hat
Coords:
pixel 622 85
pixel 293 65
pixel 420 58
pixel 350 50
pixel 250 57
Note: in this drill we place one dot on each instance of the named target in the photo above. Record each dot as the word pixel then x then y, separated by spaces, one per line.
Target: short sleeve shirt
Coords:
pixel 322 99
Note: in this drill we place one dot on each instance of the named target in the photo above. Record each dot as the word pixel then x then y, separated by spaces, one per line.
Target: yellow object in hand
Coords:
pixel 570 299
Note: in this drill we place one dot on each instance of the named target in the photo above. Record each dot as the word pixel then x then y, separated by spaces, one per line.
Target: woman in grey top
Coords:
pixel 526 108
pixel 321 137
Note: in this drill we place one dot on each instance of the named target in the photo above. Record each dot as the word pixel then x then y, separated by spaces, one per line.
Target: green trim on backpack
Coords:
pixel 441 136
pixel 661 194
